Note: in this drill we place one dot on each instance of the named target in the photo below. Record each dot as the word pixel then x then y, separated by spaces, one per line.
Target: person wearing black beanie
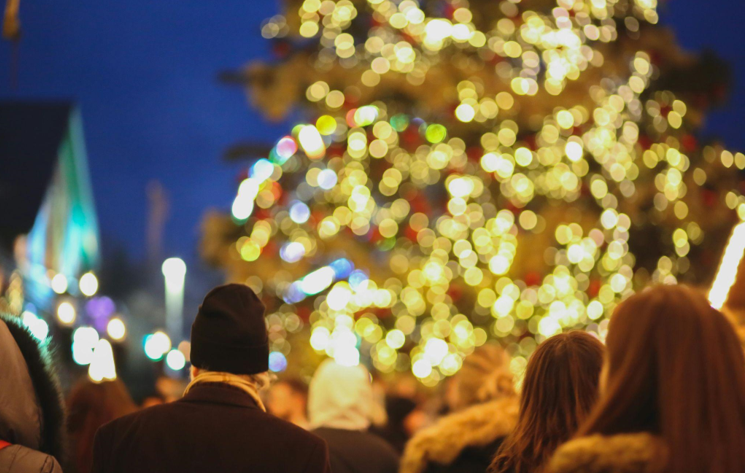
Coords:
pixel 220 424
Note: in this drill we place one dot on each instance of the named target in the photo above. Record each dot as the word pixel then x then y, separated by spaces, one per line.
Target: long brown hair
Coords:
pixel 559 389
pixel 676 370
pixel 90 406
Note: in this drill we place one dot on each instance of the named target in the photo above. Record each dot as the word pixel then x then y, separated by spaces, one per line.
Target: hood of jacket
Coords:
pixel 476 426
pixel 31 409
pixel 622 453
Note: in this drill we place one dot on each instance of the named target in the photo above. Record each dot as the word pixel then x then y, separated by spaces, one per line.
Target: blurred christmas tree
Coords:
pixel 465 171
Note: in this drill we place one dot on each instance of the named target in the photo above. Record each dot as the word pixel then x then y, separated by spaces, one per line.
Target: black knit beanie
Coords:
pixel 229 333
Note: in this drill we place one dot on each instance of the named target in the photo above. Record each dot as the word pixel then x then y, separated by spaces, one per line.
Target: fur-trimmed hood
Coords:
pixel 623 453
pixel 31 407
pixel 476 426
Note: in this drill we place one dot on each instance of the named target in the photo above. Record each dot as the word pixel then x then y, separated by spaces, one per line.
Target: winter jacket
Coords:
pixel 352 451
pixel 31 409
pixel 213 428
pixel 622 453
pixel 464 441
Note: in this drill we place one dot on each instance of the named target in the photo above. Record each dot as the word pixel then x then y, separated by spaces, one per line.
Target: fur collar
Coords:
pixel 475 426
pixel 46 385
pixel 623 453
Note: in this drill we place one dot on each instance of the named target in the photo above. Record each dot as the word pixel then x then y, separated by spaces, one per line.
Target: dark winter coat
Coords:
pixel 353 451
pixel 622 453
pixel 465 441
pixel 214 428
pixel 31 409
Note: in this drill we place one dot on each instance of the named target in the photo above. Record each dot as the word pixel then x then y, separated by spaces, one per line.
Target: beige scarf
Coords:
pixel 243 383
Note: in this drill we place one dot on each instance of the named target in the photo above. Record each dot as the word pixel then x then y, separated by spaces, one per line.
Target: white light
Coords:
pixel 262 170
pixel 242 207
pixel 82 355
pixel 86 336
pixel 66 313
pixel 435 350
pixel 102 367
pixel 85 340
pixel 59 283
pixel 37 326
pixel 88 284
pixel 728 270
pixel 311 142
pixel 116 329
pixel 437 30
pixel 175 360
pixel 156 345
pixel 327 179
pixel 292 252
pixel 421 368
pixel 174 268
pixel 249 188
pixel 299 212
pixel 317 281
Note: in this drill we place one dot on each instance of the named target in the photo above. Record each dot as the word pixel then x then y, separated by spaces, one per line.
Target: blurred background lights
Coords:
pixel 175 360
pixel 173 269
pixel 299 212
pixel 286 147
pixel 36 325
pixel 728 270
pixel 84 343
pixel 157 345
pixel 116 329
pixel 277 362
pixel 311 142
pixel 59 283
pixel 292 252
pixel 66 313
pixel 327 179
pixel 242 207
pixel 484 204
pixel 88 284
pixel 102 366
pixel 262 170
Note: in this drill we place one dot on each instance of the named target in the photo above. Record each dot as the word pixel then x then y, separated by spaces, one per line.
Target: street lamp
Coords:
pixel 174 270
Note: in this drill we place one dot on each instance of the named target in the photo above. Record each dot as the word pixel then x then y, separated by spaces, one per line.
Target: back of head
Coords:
pixel 484 375
pixel 31 410
pixel 229 333
pixel 89 406
pixel 340 397
pixel 675 369
pixel 559 389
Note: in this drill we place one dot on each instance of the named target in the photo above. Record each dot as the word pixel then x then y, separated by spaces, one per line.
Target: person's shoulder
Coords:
pixel 161 410
pixel 290 429
pixel 25 459
pixel 621 453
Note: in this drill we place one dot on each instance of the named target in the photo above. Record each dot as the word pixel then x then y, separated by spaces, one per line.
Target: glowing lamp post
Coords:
pixel 174 270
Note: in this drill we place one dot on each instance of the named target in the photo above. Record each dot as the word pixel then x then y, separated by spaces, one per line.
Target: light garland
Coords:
pixel 501 210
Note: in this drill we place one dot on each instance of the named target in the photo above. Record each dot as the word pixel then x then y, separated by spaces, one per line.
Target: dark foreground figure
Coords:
pixel 220 425
pixel 31 413
pixel 213 428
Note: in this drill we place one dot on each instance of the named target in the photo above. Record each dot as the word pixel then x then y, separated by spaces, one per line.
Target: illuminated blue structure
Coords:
pixel 48 222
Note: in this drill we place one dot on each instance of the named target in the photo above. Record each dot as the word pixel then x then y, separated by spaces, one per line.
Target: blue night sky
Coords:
pixel 144 75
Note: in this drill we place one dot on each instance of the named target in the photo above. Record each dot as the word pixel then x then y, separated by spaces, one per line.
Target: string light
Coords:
pixel 472 221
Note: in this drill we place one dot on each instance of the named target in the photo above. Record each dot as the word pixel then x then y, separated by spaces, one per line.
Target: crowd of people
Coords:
pixel 664 394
